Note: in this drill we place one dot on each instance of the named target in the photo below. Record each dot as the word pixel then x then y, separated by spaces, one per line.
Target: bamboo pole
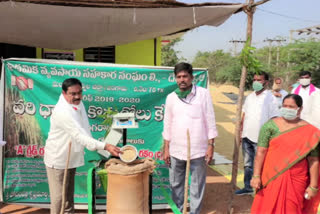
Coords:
pixel 65 181
pixel 186 180
pixel 249 12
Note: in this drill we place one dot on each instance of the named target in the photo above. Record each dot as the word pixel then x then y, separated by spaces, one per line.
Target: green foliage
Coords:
pixel 293 58
pixel 249 60
pixel 214 61
pixel 305 55
pixel 108 118
pixel 223 67
pixel 169 56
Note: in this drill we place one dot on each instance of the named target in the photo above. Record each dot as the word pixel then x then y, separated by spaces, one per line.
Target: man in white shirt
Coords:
pixel 277 91
pixel 313 109
pixel 305 89
pixel 259 107
pixel 189 107
pixel 68 124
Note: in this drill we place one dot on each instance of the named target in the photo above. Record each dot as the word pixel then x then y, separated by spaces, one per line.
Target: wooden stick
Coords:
pixel 65 181
pixel 237 140
pixel 186 181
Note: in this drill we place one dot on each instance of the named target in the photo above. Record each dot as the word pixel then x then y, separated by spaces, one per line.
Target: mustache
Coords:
pixel 76 100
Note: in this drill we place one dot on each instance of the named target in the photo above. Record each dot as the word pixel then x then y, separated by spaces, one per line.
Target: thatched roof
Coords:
pixel 120 3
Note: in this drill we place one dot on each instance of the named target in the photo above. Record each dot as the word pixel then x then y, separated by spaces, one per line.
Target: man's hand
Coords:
pixel 115 151
pixel 277 94
pixel 166 155
pixel 209 154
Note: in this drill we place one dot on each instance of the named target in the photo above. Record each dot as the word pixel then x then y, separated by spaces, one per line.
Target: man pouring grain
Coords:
pixel 68 123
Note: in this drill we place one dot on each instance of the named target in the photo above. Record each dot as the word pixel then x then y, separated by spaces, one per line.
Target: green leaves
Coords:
pixel 216 62
pixel 249 60
pixel 285 61
pixel 169 56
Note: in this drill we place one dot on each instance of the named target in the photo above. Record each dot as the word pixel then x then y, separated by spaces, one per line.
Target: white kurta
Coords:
pixel 313 109
pixel 305 94
pixel 258 109
pixel 68 124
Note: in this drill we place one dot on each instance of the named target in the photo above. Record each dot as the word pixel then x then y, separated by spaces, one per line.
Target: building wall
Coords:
pixel 78 54
pixel 137 53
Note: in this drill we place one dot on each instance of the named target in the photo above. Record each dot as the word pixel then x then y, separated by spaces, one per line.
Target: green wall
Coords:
pixel 137 53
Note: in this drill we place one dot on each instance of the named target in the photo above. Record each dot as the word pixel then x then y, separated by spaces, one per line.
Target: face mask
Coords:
pixel 304 82
pixel 257 86
pixel 288 113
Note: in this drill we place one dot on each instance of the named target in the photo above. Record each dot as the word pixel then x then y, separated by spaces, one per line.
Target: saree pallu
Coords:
pixel 285 172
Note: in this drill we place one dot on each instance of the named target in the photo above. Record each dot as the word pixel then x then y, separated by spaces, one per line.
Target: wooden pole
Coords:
pixel 278 51
pixel 278 57
pixel 249 12
pixel 186 181
pixel 65 181
pixel 270 48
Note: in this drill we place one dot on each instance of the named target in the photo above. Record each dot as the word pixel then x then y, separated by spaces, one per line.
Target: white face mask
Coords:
pixel 289 113
pixel 304 82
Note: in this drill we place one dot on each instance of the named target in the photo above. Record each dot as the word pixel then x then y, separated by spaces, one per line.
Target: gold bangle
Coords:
pixel 256 176
pixel 313 188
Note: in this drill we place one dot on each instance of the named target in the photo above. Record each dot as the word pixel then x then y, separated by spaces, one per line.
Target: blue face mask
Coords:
pixel 257 86
pixel 289 113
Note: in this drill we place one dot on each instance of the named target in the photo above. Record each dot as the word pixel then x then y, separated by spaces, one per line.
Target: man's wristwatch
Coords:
pixel 211 144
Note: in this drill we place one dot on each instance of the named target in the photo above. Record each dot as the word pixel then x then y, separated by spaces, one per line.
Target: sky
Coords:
pixel 271 20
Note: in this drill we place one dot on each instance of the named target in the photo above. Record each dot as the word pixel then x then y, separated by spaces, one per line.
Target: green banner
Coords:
pixel 32 89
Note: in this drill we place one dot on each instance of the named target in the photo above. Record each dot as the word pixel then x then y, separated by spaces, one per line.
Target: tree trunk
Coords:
pixel 237 141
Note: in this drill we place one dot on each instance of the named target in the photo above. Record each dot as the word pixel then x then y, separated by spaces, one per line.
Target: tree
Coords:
pixel 305 55
pixel 169 56
pixel 293 58
pixel 216 62
pixel 223 67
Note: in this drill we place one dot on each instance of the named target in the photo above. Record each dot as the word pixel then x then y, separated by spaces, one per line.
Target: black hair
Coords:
pixel 70 82
pixel 297 99
pixel 264 74
pixel 303 73
pixel 183 66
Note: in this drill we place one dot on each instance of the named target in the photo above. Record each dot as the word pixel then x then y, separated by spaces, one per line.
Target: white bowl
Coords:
pixel 130 153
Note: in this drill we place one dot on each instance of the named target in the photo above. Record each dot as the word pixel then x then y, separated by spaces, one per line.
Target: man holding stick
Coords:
pixel 64 150
pixel 189 107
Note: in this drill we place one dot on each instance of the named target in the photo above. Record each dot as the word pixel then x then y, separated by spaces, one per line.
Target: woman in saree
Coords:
pixel 286 166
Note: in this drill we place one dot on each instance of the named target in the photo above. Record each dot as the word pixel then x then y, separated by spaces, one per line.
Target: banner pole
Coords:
pixel 2 107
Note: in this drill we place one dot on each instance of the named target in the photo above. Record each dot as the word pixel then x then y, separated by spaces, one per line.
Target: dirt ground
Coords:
pixel 218 188
pixel 217 197
pixel 215 201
